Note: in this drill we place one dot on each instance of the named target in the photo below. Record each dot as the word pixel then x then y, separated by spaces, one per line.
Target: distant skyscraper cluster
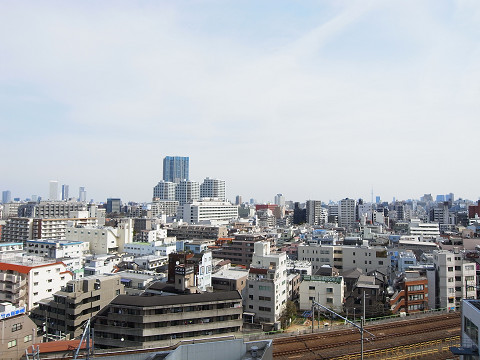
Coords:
pixel 177 186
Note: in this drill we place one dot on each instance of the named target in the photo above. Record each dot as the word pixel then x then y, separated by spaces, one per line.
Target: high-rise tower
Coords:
pixel 175 168
pixel 213 188
pixel 53 195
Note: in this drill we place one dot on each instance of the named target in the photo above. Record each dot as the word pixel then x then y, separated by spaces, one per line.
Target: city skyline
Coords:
pixel 314 100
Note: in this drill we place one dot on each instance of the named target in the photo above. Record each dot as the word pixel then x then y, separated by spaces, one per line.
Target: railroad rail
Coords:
pixel 386 336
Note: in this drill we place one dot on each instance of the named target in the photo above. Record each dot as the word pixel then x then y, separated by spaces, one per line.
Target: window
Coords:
pixel 450 268
pixel 16 327
pixel 28 338
pixel 415 287
pixel 330 290
pixel 12 343
pixel 471 329
pixel 329 300
pixel 311 288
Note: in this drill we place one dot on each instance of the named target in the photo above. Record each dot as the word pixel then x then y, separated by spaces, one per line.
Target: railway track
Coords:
pixel 386 335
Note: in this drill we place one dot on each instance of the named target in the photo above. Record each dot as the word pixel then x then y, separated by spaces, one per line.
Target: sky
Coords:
pixel 312 99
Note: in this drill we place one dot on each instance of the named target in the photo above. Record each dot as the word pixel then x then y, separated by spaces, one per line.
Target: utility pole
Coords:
pixel 362 324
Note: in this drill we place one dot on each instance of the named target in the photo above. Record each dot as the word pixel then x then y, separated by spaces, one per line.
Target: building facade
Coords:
pixel 75 303
pixel 176 168
pixel 165 320
pixel 213 188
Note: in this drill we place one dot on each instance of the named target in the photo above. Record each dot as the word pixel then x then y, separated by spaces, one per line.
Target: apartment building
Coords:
pixel 423 230
pixel 186 191
pixel 347 212
pixel 188 232
pixel 265 294
pixel 411 293
pixel 75 303
pixel 164 207
pixel 314 212
pixel 153 321
pixel 103 240
pixel 25 280
pixel 11 247
pixel 240 250
pixel 51 209
pixel 346 258
pixel 208 211
pixel 454 279
pixel 164 190
pixel 213 188
pixel 56 249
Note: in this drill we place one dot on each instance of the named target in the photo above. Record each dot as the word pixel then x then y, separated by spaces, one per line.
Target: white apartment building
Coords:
pixel 204 276
pixel 187 191
pixel 53 209
pixel 56 249
pixel 326 290
pixel 103 240
pixel 346 258
pixel 23 229
pixel 103 264
pixel 164 190
pixel 213 188
pixel 454 279
pixel 10 209
pixel 208 211
pixel 164 207
pixel 423 230
pixel 25 280
pixel 347 213
pixel 11 247
pixel 157 247
pixel 265 294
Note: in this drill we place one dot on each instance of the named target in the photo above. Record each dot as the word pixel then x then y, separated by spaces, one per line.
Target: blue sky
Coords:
pixel 312 99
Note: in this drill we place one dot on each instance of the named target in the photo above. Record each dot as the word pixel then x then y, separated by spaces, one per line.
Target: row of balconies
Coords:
pixel 8 287
pixel 174 316
pixel 11 278
pixel 178 329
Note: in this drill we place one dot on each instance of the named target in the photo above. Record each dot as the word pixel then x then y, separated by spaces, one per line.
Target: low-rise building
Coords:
pixel 154 321
pixel 17 330
pixel 230 278
pixel 411 293
pixel 325 290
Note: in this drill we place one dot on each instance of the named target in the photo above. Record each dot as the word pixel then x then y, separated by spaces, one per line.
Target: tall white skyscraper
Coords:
pixel 82 194
pixel 213 188
pixel 53 195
